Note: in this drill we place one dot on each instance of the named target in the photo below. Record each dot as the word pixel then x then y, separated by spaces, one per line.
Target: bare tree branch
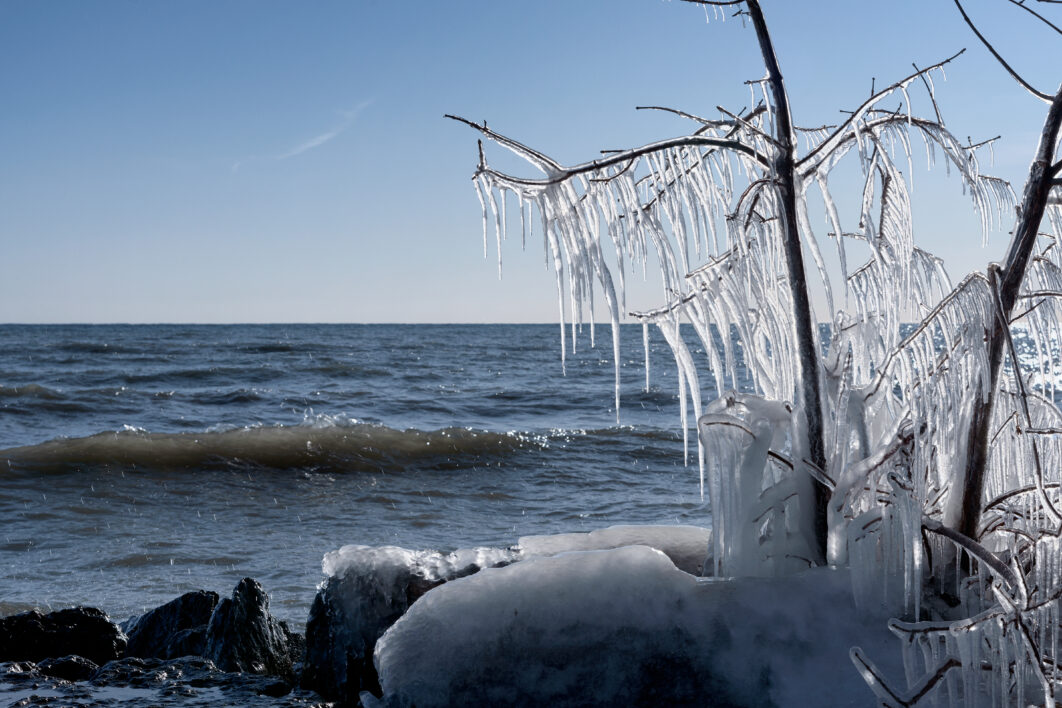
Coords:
pixel 1037 15
pixel 1017 77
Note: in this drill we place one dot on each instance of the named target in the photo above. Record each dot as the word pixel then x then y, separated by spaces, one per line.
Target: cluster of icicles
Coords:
pixel 705 212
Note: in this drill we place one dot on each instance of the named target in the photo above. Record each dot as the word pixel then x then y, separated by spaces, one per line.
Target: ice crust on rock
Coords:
pixel 626 627
pixel 387 563
pixel 367 589
pixel 686 546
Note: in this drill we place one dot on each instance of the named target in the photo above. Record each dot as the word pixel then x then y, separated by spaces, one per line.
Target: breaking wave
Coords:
pixel 324 444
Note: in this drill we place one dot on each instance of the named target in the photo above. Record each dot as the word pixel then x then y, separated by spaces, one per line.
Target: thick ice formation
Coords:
pixel 625 627
pixel 688 547
pixel 762 504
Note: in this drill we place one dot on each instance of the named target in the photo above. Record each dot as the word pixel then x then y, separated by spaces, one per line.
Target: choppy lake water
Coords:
pixel 140 462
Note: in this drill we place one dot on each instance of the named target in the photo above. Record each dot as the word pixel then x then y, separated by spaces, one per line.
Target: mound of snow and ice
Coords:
pixel 368 588
pixel 626 627
pixel 616 616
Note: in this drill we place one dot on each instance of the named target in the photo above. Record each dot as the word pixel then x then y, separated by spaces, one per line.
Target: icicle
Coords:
pixel 497 226
pixel 645 346
pixel 523 222
pixel 479 182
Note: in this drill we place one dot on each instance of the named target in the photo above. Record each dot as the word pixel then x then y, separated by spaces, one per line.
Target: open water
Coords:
pixel 139 462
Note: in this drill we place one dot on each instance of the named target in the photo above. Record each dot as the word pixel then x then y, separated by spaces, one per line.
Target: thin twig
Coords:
pixel 695 118
pixel 1037 15
pixel 1017 77
pixel 929 90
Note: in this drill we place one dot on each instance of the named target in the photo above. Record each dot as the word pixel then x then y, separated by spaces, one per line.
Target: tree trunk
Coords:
pixel 1030 214
pixel 808 394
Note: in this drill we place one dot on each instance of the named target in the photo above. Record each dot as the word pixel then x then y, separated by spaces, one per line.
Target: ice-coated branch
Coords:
pixel 830 144
pixel 706 122
pixel 556 173
pixel 1031 646
pixel 1003 62
pixel 733 130
pixel 888 696
pixel 538 159
pixel 749 126
pixel 975 549
pixel 971 280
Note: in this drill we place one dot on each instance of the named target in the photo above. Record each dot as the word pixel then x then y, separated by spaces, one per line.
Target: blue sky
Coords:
pixel 260 161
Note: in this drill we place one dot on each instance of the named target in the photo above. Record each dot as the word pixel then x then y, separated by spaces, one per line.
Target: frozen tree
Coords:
pixel 1003 511
pixel 723 210
pixel 928 459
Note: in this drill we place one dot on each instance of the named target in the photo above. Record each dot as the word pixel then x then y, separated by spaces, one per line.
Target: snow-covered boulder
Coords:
pixel 366 590
pixel 686 546
pixel 626 627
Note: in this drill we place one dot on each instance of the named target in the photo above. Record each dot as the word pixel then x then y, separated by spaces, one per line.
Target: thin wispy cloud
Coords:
pixel 349 116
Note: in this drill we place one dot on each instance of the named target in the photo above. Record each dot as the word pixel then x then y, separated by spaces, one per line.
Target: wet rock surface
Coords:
pixel 243 636
pixel 189 681
pixel 82 631
pixel 192 651
pixel 173 630
pixel 71 668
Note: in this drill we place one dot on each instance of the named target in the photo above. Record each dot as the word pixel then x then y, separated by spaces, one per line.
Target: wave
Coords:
pixel 322 445
pixel 30 391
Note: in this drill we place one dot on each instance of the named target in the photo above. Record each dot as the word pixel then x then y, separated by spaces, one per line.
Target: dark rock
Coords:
pixel 84 631
pixel 296 645
pixel 367 591
pixel 130 671
pixel 187 642
pixel 243 636
pixel 274 689
pixel 69 668
pixel 186 677
pixel 168 632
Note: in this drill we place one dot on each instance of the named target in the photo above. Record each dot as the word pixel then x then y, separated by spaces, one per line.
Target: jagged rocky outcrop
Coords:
pixel 175 629
pixel 367 590
pixel 243 636
pixel 83 631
